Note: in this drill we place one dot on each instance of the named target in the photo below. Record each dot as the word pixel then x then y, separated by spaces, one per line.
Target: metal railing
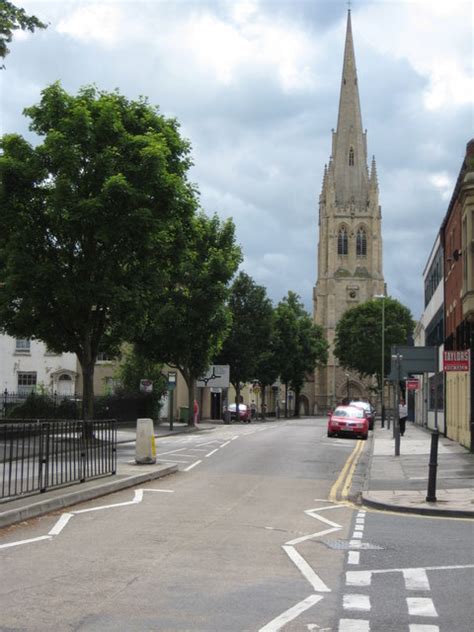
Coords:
pixel 38 455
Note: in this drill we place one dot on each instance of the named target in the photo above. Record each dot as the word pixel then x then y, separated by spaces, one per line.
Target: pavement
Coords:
pixel 400 483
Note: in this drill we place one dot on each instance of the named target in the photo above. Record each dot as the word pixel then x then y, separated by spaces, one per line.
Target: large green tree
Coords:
pixel 358 343
pixel 185 327
pixel 13 18
pixel 250 333
pixel 300 345
pixel 91 221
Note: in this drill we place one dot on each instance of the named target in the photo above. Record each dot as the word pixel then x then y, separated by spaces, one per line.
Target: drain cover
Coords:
pixel 345 545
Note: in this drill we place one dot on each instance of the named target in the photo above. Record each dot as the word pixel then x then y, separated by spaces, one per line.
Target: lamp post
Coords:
pixel 382 373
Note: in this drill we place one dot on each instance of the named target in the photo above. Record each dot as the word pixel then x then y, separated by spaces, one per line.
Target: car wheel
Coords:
pixel 330 434
pixel 364 437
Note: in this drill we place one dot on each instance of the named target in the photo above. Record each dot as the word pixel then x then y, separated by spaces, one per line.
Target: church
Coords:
pixel 350 265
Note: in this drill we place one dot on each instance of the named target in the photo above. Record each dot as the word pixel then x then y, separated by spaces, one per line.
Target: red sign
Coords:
pixel 413 385
pixel 457 360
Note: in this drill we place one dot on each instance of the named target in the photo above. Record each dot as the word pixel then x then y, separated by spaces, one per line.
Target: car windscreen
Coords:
pixel 356 413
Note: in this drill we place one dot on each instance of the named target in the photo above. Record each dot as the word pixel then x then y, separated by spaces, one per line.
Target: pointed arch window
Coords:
pixel 351 157
pixel 361 243
pixel 342 242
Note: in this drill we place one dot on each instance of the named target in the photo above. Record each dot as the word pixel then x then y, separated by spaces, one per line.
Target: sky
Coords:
pixel 255 87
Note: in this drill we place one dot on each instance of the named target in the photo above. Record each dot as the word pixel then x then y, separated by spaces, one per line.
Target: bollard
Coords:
pixel 145 449
pixel 431 496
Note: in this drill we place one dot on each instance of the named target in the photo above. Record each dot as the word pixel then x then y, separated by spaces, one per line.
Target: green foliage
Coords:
pixel 13 18
pixel 300 345
pixel 92 221
pixel 250 334
pixel 358 343
pixel 134 367
pixel 185 326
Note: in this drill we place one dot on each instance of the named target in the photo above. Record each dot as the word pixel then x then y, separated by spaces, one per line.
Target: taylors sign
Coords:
pixel 457 360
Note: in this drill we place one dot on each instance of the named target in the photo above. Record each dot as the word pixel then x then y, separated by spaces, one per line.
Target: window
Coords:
pixel 26 382
pixel 351 157
pixel 342 242
pixel 22 345
pixel 103 356
pixel 361 243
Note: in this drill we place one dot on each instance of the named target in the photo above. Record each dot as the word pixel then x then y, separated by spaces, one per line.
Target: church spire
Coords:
pixel 349 141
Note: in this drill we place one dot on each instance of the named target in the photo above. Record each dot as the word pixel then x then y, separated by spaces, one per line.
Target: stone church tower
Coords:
pixel 350 239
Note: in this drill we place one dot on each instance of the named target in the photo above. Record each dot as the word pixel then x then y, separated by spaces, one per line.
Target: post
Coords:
pixel 382 375
pixel 171 387
pixel 433 466
pixel 431 495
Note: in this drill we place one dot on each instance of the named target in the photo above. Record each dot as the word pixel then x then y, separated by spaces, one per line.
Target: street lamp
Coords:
pixel 382 374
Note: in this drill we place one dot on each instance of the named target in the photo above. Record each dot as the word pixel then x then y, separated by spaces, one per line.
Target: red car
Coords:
pixel 348 420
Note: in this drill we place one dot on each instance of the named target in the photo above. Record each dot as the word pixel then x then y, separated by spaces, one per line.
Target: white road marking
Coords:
pixel 65 517
pixel 291 613
pixel 168 460
pixel 420 627
pixel 303 538
pixel 212 452
pixel 186 469
pixel 358 578
pixel 357 535
pixel 356 602
pixel 421 607
pixel 416 579
pixel 60 524
pixel 353 625
pixel 305 569
pixel 224 444
pixel 353 557
pixel 170 452
pixel 19 542
pixel 235 437
pixel 360 521
pixel 138 497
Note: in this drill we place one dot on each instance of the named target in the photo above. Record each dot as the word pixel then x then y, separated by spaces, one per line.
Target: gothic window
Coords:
pixel 351 157
pixel 342 242
pixel 361 243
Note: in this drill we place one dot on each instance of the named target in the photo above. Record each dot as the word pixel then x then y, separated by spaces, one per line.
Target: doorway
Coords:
pixel 216 410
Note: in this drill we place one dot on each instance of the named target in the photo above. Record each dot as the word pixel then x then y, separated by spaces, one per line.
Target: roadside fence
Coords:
pixel 39 455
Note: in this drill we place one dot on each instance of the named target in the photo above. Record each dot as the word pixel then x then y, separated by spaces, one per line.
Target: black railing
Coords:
pixel 38 455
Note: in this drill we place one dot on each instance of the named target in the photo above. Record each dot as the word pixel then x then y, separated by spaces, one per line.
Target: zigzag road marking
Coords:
pixel 305 569
pixel 65 517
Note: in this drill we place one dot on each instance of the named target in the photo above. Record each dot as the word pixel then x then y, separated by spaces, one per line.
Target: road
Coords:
pixel 243 537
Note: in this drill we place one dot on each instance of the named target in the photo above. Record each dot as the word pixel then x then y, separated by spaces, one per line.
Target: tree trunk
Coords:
pixel 297 402
pixel 191 398
pixel 87 367
pixel 286 400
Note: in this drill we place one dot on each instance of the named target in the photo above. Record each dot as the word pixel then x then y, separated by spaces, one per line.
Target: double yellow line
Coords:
pixel 340 489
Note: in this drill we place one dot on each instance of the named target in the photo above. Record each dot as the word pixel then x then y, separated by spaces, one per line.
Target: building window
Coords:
pixel 26 382
pixel 351 157
pixel 103 356
pixel 342 242
pixel 361 243
pixel 22 345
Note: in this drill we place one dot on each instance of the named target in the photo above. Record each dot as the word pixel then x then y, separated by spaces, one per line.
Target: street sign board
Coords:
pixel 216 375
pixel 146 386
pixel 457 360
pixel 413 384
pixel 413 360
pixel 172 376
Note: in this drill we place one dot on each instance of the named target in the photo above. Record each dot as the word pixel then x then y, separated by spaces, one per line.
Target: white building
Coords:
pixel 27 365
pixel 429 332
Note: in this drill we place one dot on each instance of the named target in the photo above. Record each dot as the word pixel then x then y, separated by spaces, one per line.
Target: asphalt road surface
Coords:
pixel 242 538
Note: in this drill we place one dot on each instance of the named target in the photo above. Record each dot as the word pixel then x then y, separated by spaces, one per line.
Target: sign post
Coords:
pixel 171 386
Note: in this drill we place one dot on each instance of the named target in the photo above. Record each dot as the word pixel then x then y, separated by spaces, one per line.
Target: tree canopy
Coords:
pixel 185 327
pixel 250 333
pixel 13 18
pixel 300 344
pixel 358 343
pixel 92 221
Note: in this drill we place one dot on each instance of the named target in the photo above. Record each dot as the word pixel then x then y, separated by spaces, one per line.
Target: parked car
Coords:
pixel 369 411
pixel 244 412
pixel 348 420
